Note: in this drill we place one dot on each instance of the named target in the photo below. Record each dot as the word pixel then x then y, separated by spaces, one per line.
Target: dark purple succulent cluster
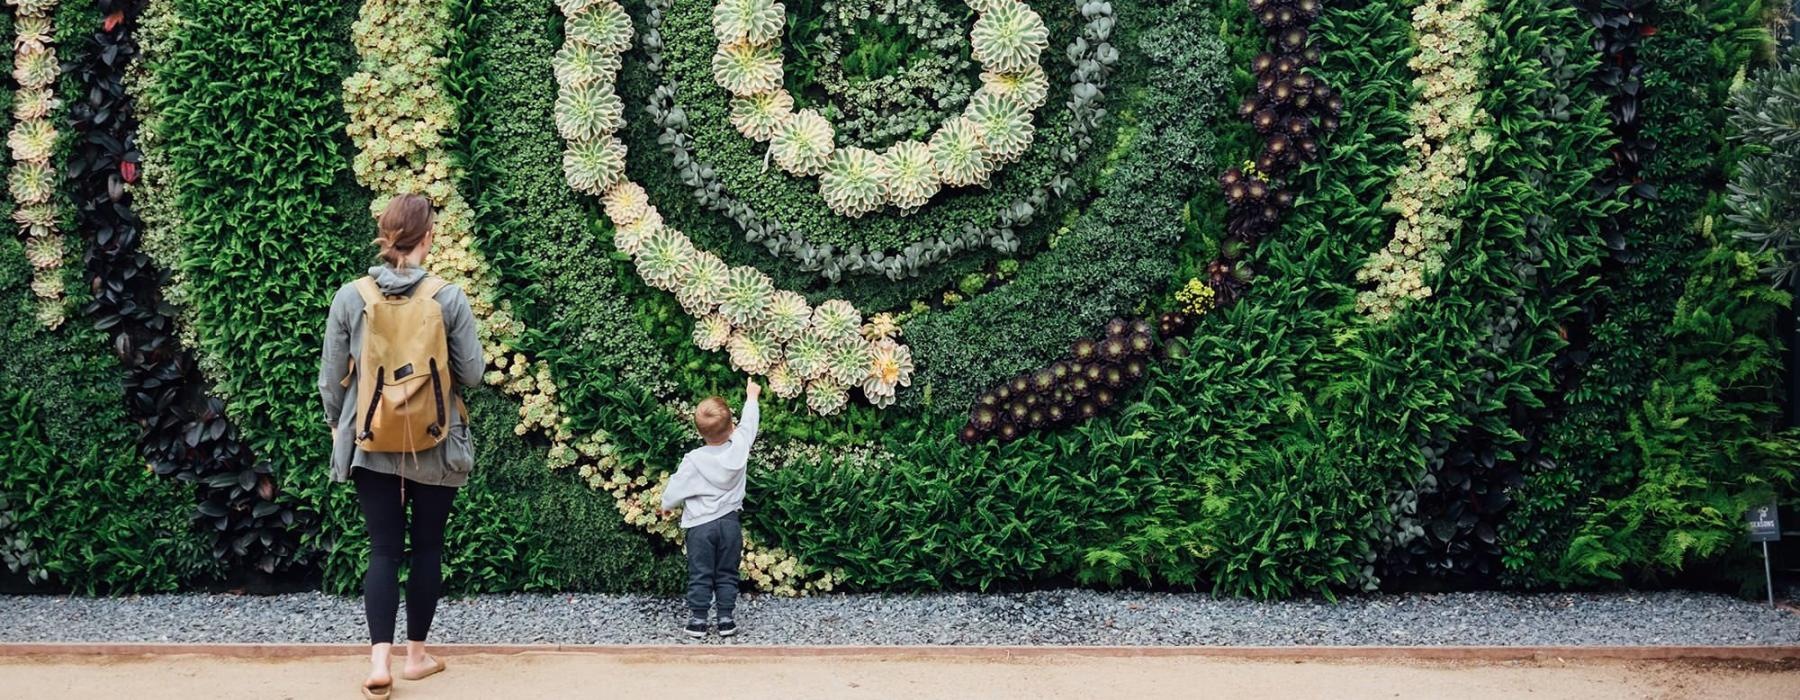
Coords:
pixel 1092 378
pixel 1290 109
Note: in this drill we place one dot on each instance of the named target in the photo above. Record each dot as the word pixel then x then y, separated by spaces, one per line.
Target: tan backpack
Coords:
pixel 404 389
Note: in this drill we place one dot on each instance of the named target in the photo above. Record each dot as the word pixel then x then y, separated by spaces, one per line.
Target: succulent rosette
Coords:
pixel 747 69
pixel 754 350
pixel 1008 37
pixel 587 112
pixel 826 396
pixel 809 356
pixel 912 175
pixel 701 282
pixel 959 151
pixel 32 140
pixel 629 239
pixel 579 65
pixel 789 315
pixel 802 145
pixel 627 202
pixel 594 167
pixel 851 361
pixel 759 116
pixel 891 367
pixel 881 326
pixel 712 332
pixel 1031 87
pixel 746 296
pixel 664 254
pixel 602 25
pixel 854 181
pixel 783 383
pixel 1005 124
pixel 836 319
pixel 748 21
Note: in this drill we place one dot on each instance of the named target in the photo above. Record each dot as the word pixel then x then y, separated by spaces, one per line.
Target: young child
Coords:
pixel 709 489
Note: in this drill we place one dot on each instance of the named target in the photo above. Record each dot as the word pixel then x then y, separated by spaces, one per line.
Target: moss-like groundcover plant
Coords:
pixel 1266 297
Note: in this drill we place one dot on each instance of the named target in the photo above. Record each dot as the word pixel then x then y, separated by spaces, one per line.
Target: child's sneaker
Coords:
pixel 727 626
pixel 696 628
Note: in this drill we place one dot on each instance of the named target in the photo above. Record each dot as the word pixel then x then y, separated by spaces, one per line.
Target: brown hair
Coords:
pixel 403 226
pixel 713 419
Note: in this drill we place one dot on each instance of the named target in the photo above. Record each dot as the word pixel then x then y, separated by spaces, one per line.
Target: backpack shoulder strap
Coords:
pixel 371 292
pixel 430 286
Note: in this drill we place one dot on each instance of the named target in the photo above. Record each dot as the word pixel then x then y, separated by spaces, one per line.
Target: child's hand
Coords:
pixel 752 391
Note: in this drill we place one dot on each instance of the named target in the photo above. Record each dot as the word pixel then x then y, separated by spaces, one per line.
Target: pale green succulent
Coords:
pixel 32 33
pixel 594 166
pixel 753 350
pixel 1009 37
pixel 700 283
pixel 47 286
pixel 837 319
pixel 579 64
pixel 34 104
pixel 32 183
pixel 851 359
pixel 1031 87
pixel 36 69
pixel 912 175
pixel 853 182
pixel 34 8
pixel 663 255
pixel 986 6
pixel 630 238
pixel 37 216
pixel 748 21
pixel 959 151
pixel 602 25
pixel 826 396
pixel 758 116
pixel 627 202
pixel 588 112
pixel 789 315
pixel 32 140
pixel 803 144
pixel 746 297
pixel 809 355
pixel 1005 125
pixel 712 332
pixel 747 69
pixel 44 252
pixel 890 368
pixel 783 383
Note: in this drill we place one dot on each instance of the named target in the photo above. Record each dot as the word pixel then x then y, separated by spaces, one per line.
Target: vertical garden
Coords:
pixel 1268 298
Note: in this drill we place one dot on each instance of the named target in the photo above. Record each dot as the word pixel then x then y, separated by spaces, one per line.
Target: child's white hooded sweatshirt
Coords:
pixel 710 483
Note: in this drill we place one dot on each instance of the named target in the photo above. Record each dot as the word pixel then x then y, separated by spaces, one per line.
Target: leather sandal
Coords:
pixel 436 667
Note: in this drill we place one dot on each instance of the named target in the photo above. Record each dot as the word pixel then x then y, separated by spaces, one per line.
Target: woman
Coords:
pixel 386 482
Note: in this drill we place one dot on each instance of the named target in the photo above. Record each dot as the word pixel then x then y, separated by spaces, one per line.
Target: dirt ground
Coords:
pixel 576 675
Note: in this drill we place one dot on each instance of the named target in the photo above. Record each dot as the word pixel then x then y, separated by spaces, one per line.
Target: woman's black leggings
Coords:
pixel 384 510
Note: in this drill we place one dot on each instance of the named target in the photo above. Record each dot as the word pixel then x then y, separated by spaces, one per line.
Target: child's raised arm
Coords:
pixel 748 423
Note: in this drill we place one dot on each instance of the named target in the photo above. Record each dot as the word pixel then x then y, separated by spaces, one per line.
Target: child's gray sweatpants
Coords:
pixel 713 551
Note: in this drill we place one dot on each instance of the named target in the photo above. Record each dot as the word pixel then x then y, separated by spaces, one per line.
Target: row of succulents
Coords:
pixel 1091 59
pixel 1447 122
pixel 823 352
pixel 994 129
pixel 1092 378
pixel 33 139
pixel 401 44
pixel 1290 109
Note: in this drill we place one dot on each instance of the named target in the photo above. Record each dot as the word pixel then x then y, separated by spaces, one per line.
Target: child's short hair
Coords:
pixel 713 419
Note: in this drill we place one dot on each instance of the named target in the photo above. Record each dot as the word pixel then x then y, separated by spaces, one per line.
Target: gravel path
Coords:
pixel 1047 617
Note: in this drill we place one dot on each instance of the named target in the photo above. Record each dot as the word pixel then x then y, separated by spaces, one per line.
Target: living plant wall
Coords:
pixel 1268 298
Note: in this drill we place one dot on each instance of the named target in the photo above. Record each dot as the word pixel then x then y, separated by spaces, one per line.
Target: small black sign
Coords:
pixel 1765 523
